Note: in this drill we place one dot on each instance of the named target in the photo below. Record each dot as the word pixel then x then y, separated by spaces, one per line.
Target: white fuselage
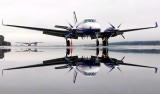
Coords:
pixel 88 27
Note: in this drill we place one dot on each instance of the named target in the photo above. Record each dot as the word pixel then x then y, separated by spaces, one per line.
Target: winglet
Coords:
pixel 2 72
pixel 2 22
pixel 156 69
pixel 156 25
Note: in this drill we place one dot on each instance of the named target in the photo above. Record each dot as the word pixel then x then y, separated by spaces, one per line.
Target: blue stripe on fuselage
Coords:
pixel 88 31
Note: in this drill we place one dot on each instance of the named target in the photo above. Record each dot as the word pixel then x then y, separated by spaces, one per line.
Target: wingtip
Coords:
pixel 156 69
pixel 2 22
pixel 2 72
pixel 156 25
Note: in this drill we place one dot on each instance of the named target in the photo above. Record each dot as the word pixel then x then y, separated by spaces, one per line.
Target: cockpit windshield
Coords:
pixel 89 20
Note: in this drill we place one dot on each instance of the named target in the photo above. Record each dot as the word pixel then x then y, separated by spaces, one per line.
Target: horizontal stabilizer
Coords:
pixel 62 27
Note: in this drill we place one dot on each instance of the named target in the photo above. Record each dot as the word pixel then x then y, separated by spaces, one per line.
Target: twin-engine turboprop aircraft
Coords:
pixel 86 28
pixel 86 66
pixel 28 43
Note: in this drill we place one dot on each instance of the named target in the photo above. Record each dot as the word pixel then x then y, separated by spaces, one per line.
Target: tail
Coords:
pixel 75 18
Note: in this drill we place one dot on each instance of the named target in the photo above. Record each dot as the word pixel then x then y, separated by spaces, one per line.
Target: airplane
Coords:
pixel 28 43
pixel 86 28
pixel 86 66
pixel 29 50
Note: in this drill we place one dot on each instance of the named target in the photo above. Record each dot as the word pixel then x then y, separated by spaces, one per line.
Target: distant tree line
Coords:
pixel 136 43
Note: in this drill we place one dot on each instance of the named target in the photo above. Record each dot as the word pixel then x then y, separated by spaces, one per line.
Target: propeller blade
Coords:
pixel 122 58
pixel 119 69
pixel 70 25
pixel 75 76
pixel 111 35
pixel 68 60
pixel 111 25
pixel 122 36
pixel 110 59
pixel 111 69
pixel 119 25
pixel 70 69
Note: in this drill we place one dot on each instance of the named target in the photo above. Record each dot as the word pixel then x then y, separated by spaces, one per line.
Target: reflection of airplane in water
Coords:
pixel 85 28
pixel 28 43
pixel 29 50
pixel 86 66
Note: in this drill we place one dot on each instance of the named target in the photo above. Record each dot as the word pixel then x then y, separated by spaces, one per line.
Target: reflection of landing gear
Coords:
pixel 97 51
pixel 67 42
pixel 105 41
pixel 67 52
pixel 97 42
pixel 105 52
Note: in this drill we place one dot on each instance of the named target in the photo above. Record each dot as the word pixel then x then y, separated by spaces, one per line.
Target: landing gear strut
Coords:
pixel 105 41
pixel 67 42
pixel 97 42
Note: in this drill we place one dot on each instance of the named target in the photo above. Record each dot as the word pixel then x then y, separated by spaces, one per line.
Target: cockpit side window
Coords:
pixel 93 20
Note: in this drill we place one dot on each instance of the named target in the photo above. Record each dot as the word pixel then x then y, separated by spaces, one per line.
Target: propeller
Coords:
pixel 116 30
pixel 71 28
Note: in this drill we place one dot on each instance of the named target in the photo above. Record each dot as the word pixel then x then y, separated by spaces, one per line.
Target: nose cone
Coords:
pixel 94 25
pixel 89 71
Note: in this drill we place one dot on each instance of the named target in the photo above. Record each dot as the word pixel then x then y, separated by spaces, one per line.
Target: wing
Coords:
pixel 127 64
pixel 58 61
pixel 116 32
pixel 128 30
pixel 58 33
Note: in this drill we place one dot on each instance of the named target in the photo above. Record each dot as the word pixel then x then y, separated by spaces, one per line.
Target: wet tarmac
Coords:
pixel 80 70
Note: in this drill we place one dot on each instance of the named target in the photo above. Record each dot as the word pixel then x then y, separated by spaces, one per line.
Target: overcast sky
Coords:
pixel 48 13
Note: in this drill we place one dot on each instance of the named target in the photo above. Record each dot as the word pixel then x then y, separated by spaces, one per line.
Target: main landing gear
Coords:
pixel 105 41
pixel 97 42
pixel 68 42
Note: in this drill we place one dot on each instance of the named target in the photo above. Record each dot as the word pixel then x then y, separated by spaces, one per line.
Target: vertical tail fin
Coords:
pixel 75 18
